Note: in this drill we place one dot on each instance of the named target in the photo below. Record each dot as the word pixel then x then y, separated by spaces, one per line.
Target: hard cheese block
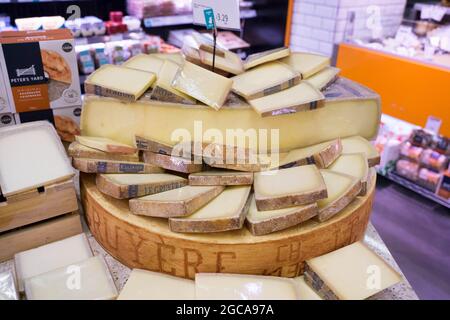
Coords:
pixel 288 187
pixel 173 163
pixel 51 256
pixel 220 178
pixel 175 203
pixel 204 85
pixel 264 80
pixel 264 222
pixel 89 279
pixel 323 78
pixel 341 189
pixel 148 285
pixel 77 150
pixel 301 97
pixel 113 166
pixel 119 82
pixel 356 107
pixel 225 212
pixel 256 59
pixel 355 165
pixel 105 144
pixel 358 144
pixel 32 156
pixel 306 63
pixel 145 62
pixel 220 286
pixel 353 272
pixel 305 291
pixel 125 186
pixel 230 62
pixel 174 57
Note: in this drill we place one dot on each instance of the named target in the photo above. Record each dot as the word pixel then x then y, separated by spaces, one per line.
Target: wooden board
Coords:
pixel 38 234
pixel 147 243
pixel 32 206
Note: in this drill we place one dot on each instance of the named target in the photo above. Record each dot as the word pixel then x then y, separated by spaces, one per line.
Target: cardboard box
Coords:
pixel 5 106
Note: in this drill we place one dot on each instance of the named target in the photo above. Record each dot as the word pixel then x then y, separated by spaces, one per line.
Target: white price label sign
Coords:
pixel 433 124
pixel 226 13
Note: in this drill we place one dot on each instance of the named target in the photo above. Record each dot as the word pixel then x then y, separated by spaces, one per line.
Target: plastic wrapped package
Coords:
pixel 428 179
pixel 421 138
pixel 407 169
pixel 433 160
pixel 8 289
pixel 411 152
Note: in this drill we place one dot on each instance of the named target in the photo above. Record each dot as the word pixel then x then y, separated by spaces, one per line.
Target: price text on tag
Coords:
pixel 226 13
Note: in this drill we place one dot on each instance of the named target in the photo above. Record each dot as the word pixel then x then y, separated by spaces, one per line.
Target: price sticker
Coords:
pixel 209 18
pixel 433 124
pixel 226 14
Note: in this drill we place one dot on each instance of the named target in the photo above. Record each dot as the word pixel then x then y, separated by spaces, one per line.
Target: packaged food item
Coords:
pixel 442 145
pixel 407 169
pixel 85 62
pixel 433 160
pixel 411 152
pixel 428 179
pixel 421 138
pixel 444 188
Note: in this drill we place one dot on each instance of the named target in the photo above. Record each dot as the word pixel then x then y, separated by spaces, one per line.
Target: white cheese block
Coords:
pixel 357 144
pixel 8 290
pixel 264 80
pixel 174 57
pixel 306 63
pixel 305 291
pixel 31 156
pixel 148 285
pixel 220 286
pixel 323 78
pixel 105 144
pixel 231 62
pixel 290 187
pixel 353 272
pixel 355 165
pixel 89 279
pixel 301 97
pixel 206 86
pixel 256 59
pixel 145 62
pixel 51 256
pixel 221 178
pixel 225 212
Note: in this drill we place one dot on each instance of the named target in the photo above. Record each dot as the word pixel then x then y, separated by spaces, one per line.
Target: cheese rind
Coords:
pixel 306 63
pixel 113 166
pixel 358 144
pixel 175 203
pixel 105 144
pixel 323 78
pixel 148 285
pixel 77 150
pixel 355 165
pixel 256 59
pixel 220 178
pixel 172 163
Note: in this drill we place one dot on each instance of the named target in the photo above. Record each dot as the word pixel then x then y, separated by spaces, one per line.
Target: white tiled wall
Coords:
pixel 319 24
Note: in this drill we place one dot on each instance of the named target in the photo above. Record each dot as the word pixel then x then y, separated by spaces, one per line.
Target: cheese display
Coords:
pixel 256 59
pixel 225 212
pixel 323 78
pixel 8 290
pixel 358 144
pixel 305 291
pixel 119 82
pixel 264 222
pixel 341 189
pixel 239 165
pixel 219 286
pixel 307 64
pixel 145 62
pixel 355 165
pixel 89 279
pixel 113 166
pixel 172 163
pixel 163 90
pixel 288 187
pixel 220 178
pixel 77 150
pixel 32 156
pixel 230 62
pixel 124 186
pixel 51 256
pixel 353 272
pixel 264 80
pixel 301 97
pixel 105 144
pixel 174 57
pixel 181 149
pixel 148 285
pixel 175 203
pixel 206 86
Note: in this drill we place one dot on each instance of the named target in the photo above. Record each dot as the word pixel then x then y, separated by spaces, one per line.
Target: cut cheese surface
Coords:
pixel 353 164
pixel 306 63
pixel 128 179
pixel 219 286
pixel 95 282
pixel 31 156
pixel 338 185
pixel 105 144
pixel 144 62
pixel 256 59
pixel 51 256
pixel 204 85
pixel 174 57
pixel 148 285
pixel 323 78
pixel 264 80
pixel 354 272
pixel 357 144
pixel 231 62
pixel 301 97
pixel 305 291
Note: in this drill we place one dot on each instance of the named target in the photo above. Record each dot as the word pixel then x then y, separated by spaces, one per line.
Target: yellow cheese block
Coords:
pixel 105 144
pixel 306 63
pixel 174 57
pixel 306 292
pixel 355 165
pixel 358 144
pixel 231 62
pixel 323 78
pixel 256 59
pixel 145 62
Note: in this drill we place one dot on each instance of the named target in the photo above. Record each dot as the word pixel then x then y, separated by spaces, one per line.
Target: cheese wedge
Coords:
pixel 307 64
pixel 125 186
pixel 250 165
pixel 89 279
pixel 265 80
pixel 358 144
pixel 288 187
pixel 105 144
pixel 51 256
pixel 172 163
pixel 163 90
pixel 353 272
pixel 77 150
pixel 305 291
pixel 256 59
pixel 174 57
pixel 264 222
pixel 206 43
pixel 230 62
pixel 341 189
pixel 112 166
pixel 148 285
pixel 301 97
pixel 220 178
pixel 145 62
pixel 119 82
pixel 225 212
pixel 175 203
pixel 322 155
pixel 222 286
pixel 323 78
pixel 206 86
pixel 355 165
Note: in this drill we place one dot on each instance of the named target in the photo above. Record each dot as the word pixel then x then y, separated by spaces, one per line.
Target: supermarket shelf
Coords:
pixel 132 35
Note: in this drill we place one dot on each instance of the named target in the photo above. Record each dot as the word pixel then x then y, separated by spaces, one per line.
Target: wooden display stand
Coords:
pixel 147 243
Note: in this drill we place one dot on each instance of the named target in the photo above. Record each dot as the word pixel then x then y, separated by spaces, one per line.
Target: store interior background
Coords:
pixel 414 227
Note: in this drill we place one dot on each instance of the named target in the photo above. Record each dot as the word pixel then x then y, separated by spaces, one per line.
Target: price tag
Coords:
pixel 209 18
pixel 433 12
pixel 226 13
pixel 433 124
